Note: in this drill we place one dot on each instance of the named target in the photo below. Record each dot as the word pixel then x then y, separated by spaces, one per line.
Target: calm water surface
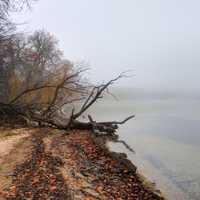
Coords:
pixel 165 135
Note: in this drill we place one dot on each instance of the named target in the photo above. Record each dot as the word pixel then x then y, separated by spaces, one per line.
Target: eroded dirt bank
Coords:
pixel 50 164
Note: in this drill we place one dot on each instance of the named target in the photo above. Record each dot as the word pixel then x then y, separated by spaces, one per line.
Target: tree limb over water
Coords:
pixel 48 115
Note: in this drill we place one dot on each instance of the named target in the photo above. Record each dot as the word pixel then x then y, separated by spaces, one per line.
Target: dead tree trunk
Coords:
pixel 43 119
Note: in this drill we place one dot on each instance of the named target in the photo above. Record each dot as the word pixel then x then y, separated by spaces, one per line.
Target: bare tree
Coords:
pixel 7 39
pixel 7 27
pixel 87 97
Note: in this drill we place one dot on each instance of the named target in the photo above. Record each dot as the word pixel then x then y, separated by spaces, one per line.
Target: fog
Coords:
pixel 159 41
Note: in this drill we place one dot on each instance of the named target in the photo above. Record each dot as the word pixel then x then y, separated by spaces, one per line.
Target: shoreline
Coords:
pixel 123 158
pixel 82 166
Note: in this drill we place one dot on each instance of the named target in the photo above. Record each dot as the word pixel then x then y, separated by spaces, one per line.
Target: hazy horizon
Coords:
pixel 158 40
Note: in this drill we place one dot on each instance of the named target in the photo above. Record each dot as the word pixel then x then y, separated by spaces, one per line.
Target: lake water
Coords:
pixel 165 135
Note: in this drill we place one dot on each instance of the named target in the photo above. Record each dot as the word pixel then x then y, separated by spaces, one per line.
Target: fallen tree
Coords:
pixel 96 93
pixel 50 115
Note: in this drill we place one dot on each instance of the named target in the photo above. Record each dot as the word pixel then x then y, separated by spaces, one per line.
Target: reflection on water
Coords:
pixel 165 135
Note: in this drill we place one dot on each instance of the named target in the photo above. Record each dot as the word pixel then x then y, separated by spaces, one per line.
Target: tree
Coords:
pixel 36 75
pixel 7 41
pixel 7 27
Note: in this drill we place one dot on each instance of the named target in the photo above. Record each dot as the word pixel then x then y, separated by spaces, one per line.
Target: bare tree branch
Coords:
pixel 96 93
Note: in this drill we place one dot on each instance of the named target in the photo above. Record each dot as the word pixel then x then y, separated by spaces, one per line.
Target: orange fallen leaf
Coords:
pixel 53 188
pixel 99 189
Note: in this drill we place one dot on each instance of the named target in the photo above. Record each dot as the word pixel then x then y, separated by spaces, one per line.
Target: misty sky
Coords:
pixel 158 39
